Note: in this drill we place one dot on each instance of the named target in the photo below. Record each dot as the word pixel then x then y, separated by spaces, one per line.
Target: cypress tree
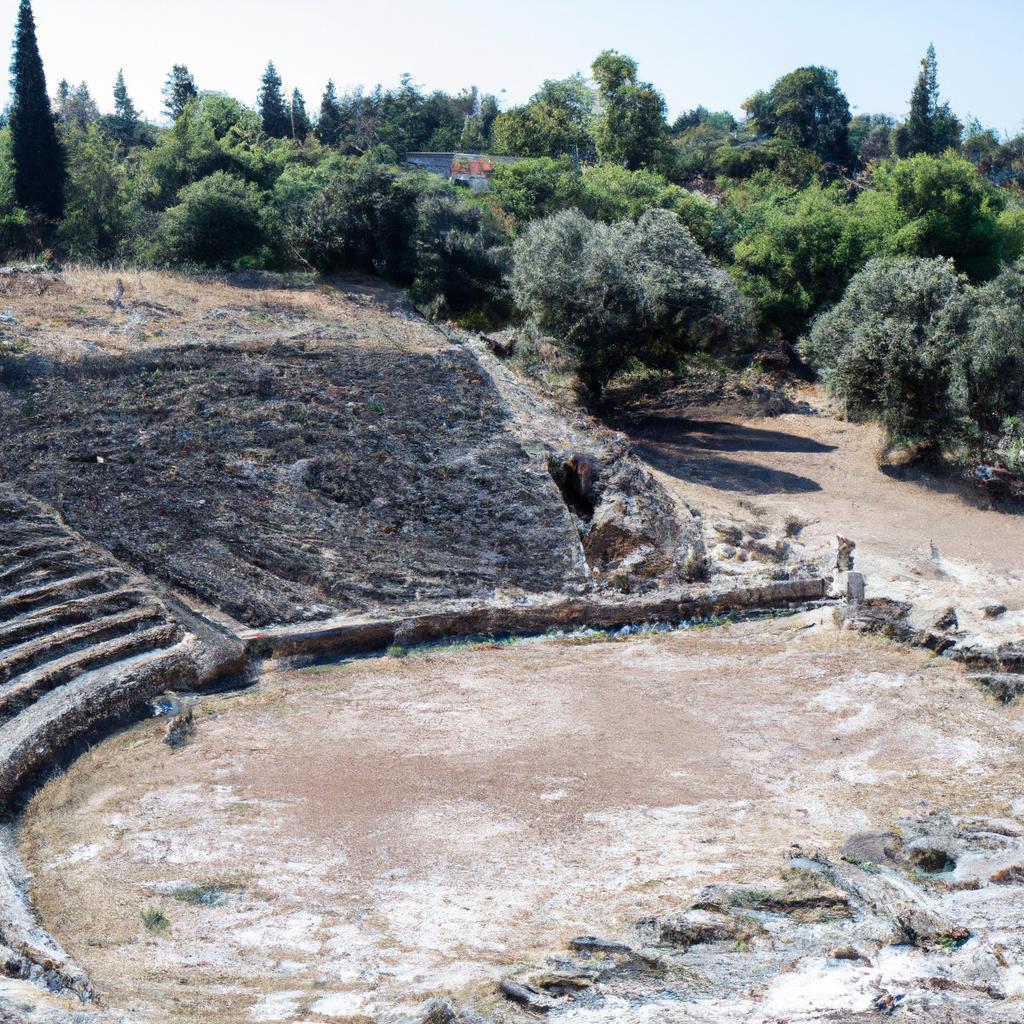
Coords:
pixel 39 170
pixel 125 123
pixel 277 122
pixel 930 127
pixel 328 125
pixel 300 119
pixel 179 90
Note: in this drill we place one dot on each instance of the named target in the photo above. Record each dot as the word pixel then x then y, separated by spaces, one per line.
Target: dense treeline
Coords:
pixel 627 238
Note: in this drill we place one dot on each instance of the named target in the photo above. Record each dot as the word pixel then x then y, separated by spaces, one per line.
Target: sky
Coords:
pixel 715 54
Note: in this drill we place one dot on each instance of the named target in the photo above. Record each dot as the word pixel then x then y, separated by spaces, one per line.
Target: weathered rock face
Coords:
pixel 289 484
pixel 632 533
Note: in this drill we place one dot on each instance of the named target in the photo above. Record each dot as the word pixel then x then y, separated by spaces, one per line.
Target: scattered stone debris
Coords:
pixel 890 618
pixel 882 923
pixel 994 611
pixel 948 620
pixel 1006 687
pixel 590 944
pixel 999 671
pixel 527 996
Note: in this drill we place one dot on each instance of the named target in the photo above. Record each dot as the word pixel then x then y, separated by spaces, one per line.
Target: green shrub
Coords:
pixel 800 252
pixel 534 188
pixel 889 349
pixel 941 206
pixel 213 133
pixel 155 920
pixel 363 218
pixel 218 222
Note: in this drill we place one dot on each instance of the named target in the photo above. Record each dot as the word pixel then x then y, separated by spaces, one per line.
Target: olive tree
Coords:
pixel 609 294
pixel 990 370
pixel 889 348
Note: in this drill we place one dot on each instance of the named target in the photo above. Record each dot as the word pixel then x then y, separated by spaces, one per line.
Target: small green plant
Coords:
pixel 155 920
pixel 206 894
pixel 749 897
pixel 864 865
pixel 374 406
pixel 397 651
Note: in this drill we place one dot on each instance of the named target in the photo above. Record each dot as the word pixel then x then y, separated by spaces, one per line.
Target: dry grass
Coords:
pixel 75 316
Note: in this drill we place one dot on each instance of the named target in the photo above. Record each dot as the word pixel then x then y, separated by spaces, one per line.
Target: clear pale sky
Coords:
pixel 694 52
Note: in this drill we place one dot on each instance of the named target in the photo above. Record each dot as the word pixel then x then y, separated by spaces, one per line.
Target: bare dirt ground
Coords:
pixel 381 831
pixel 917 540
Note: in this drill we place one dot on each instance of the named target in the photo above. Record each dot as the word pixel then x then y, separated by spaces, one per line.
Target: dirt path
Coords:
pixel 915 541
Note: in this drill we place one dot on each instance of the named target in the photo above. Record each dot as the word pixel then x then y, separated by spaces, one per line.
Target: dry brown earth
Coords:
pixel 390 829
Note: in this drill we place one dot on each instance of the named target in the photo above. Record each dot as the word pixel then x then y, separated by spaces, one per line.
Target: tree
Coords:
pixel 362 218
pixel 473 138
pixel 609 294
pixel 555 122
pixel 328 124
pixel 630 129
pixel 871 137
pixel 75 105
pixel 806 107
pixel 940 206
pixel 989 378
pixel 94 219
pixel 800 254
pixel 569 278
pixel 889 349
pixel 179 90
pixel 124 125
pixel 456 253
pixel 930 127
pixel 273 109
pixel 299 117
pixel 38 158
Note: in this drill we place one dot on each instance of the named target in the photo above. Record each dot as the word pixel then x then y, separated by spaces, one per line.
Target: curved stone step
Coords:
pixel 27 949
pixel 24 690
pixel 81 609
pixel 57 643
pixel 37 546
pixel 34 736
pixel 56 591
pixel 39 563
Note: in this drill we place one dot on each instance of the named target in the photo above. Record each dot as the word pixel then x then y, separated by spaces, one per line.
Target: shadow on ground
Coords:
pixel 725 474
pixel 720 436
pixel 684 448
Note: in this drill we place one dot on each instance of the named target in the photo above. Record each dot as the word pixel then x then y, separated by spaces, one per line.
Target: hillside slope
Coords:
pixel 293 454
